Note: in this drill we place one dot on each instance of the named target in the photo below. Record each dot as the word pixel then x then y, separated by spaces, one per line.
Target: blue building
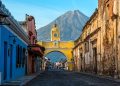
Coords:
pixel 13 48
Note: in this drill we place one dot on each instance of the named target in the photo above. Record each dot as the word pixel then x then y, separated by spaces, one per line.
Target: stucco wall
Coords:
pixel 64 47
pixel 4 36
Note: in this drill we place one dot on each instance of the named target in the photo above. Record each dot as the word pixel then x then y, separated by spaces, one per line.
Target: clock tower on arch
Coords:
pixel 55 33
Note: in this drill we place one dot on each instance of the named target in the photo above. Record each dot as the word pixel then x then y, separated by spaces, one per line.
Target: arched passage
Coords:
pixel 67 53
pixel 57 59
pixel 64 47
pixel 56 56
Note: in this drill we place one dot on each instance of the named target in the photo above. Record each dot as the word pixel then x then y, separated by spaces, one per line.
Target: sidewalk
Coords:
pixel 21 81
pixel 101 76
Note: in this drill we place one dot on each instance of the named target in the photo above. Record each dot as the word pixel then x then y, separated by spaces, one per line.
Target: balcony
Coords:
pixel 36 49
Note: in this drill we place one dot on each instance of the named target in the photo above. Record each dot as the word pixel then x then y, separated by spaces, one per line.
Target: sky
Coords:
pixel 45 11
pixel 56 56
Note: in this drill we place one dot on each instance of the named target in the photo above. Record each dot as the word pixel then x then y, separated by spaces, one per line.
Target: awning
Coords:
pixel 36 49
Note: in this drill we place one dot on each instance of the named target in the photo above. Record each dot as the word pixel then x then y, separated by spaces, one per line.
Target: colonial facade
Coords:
pixel 13 47
pixel 87 46
pixel 20 55
pixel 35 51
pixel 97 49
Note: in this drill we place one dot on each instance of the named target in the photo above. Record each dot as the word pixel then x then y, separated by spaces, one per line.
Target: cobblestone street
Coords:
pixel 64 78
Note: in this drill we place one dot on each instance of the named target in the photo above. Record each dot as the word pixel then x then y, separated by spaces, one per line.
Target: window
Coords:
pixel 86 46
pixel 5 60
pixel 20 56
pixel 17 56
pixel 55 43
pixel 23 57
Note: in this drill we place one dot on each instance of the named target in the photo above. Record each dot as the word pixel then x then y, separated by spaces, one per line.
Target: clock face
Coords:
pixel 55 35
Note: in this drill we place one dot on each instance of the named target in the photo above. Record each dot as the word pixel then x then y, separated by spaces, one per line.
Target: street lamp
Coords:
pixel 2 19
pixel 14 40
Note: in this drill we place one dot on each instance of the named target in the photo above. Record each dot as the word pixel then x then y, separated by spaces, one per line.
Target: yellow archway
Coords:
pixel 64 47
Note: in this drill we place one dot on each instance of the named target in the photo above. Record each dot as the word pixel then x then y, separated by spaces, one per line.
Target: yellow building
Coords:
pixel 65 47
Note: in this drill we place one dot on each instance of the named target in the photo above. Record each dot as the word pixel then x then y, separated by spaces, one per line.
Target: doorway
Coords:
pixel 81 61
pixel 95 59
pixel 11 58
pixel 5 60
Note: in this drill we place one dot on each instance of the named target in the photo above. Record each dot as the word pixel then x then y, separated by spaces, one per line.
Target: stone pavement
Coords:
pixel 65 78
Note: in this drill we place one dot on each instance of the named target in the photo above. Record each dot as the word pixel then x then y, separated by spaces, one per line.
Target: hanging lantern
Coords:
pixel 3 18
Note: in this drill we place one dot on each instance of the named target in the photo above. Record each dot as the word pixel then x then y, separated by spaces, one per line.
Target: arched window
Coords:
pixel 55 43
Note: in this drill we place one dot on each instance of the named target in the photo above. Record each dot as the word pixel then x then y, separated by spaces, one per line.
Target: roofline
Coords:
pixel 14 25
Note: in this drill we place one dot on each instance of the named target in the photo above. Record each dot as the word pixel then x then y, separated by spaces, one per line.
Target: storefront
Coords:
pixel 35 57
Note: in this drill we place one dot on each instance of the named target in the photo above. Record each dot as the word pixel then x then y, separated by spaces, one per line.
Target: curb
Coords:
pixel 100 76
pixel 24 83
